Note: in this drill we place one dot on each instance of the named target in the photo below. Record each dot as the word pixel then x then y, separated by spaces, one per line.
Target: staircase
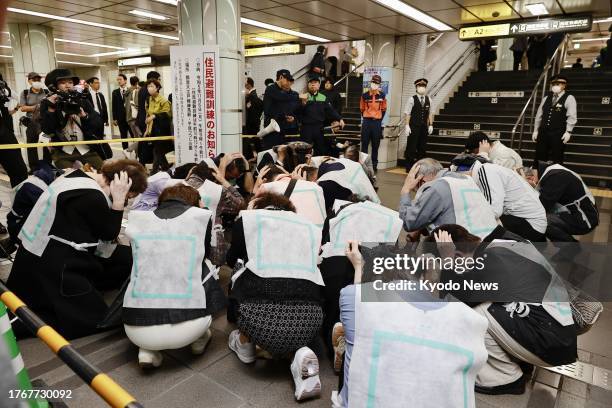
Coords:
pixel 589 152
pixel 351 114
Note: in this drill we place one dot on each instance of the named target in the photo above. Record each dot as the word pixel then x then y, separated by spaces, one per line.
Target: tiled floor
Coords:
pixel 219 379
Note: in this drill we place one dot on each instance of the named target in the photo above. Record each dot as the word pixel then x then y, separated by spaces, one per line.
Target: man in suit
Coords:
pixel 118 104
pixel 96 98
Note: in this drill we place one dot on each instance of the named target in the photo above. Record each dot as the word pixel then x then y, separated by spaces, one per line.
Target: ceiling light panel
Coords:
pixel 272 27
pixel 537 9
pixel 147 14
pixel 414 14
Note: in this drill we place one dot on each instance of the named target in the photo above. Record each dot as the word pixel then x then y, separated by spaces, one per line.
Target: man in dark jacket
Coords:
pixel 280 104
pixel 313 113
pixel 254 108
pixel 118 104
pixel 62 121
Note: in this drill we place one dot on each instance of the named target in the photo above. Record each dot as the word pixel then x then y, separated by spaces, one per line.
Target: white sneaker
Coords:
pixel 245 352
pixel 149 358
pixel 131 155
pixel 198 346
pixel 305 371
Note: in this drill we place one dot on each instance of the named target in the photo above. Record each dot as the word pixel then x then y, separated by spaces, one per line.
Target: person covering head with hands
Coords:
pixel 439 198
pixel 554 122
pixel 493 150
pixel 66 255
pixel 417 332
pixel 418 123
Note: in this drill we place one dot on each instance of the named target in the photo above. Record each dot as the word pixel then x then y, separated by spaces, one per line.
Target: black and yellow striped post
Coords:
pixel 102 384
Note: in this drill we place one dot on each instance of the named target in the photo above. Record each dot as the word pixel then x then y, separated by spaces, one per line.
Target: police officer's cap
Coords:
pixel 421 81
pixel 558 79
pixel 284 73
pixel 376 79
pixel 313 78
pixel 58 74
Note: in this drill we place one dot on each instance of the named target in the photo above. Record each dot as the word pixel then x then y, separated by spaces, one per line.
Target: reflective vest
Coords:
pixel 406 356
pixel 307 197
pixel 363 222
pixel 167 260
pixel 281 244
pixel 34 234
pixel 353 178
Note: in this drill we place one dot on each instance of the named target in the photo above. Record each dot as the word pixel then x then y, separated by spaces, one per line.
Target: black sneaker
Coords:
pixel 7 248
pixel 514 388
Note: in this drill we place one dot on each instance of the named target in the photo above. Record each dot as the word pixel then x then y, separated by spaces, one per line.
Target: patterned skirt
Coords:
pixel 280 328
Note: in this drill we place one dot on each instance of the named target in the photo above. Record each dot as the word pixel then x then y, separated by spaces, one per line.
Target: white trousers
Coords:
pixel 168 336
pixel 501 367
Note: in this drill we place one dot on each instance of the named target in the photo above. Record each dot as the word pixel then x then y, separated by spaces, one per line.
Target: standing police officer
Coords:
pixel 373 105
pixel 314 111
pixel 554 122
pixel 419 124
pixel 280 103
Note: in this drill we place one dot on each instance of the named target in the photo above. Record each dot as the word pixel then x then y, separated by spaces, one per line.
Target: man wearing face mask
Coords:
pixel 554 122
pixel 373 105
pixel 419 123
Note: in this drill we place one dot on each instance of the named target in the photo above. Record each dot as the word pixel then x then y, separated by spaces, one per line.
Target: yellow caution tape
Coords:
pixel 83 142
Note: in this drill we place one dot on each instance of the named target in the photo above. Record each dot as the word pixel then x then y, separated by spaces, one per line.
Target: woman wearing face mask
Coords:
pixel 28 101
pixel 554 122
pixel 419 124
pixel 159 123
pixel 373 105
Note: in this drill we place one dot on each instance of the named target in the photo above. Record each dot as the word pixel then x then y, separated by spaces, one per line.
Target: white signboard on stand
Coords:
pixel 196 106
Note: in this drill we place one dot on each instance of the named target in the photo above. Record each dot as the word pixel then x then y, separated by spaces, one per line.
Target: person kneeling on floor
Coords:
pixel 529 314
pixel 277 286
pixel 172 292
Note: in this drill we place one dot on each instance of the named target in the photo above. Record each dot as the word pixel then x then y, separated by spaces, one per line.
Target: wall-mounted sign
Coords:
pixel 129 62
pixel 274 50
pixel 196 106
pixel 501 94
pixel 515 28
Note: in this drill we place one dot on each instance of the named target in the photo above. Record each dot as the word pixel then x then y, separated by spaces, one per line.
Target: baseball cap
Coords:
pixel 284 73
pixel 33 75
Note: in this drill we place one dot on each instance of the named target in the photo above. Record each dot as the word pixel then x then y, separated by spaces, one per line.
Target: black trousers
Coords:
pixel 124 129
pixel 562 227
pixel 416 145
pixel 549 146
pixel 11 159
pixel 313 134
pixel 521 227
pixel 371 131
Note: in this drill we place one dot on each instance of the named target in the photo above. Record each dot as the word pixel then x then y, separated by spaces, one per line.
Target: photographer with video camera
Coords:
pixel 67 115
pixel 10 159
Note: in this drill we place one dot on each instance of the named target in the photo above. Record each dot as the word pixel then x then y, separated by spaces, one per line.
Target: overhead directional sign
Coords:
pixel 526 27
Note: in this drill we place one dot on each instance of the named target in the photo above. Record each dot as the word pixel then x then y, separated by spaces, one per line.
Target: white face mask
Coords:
pixel 37 85
pixel 374 86
pixel 421 90
pixel 556 89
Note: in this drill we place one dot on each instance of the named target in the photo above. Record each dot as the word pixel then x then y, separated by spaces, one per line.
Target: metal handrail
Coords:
pixel 302 74
pixel 454 68
pixel 534 95
pixel 345 77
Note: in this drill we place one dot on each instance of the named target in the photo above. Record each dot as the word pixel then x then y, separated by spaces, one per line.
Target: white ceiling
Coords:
pixel 336 20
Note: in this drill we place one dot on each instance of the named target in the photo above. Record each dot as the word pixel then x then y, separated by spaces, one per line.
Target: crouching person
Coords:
pixel 277 286
pixel 167 305
pixel 406 347
pixel 529 315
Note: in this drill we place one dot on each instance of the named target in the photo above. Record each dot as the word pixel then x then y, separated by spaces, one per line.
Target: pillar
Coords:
pixel 33 50
pixel 217 22
pixel 388 51
pixel 505 58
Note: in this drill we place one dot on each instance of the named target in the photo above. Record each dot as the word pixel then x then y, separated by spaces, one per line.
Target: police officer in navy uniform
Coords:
pixel 419 123
pixel 314 111
pixel 554 122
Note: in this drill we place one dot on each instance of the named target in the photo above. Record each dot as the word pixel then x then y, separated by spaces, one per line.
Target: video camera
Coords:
pixel 70 102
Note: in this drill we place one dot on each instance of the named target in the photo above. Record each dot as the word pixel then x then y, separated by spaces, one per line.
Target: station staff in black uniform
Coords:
pixel 554 122
pixel 419 123
pixel 313 113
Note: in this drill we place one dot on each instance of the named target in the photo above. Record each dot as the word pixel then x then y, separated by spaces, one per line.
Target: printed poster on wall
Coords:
pixel 196 107
pixel 385 74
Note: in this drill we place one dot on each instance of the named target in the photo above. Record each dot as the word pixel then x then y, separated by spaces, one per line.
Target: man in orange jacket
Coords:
pixel 373 105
